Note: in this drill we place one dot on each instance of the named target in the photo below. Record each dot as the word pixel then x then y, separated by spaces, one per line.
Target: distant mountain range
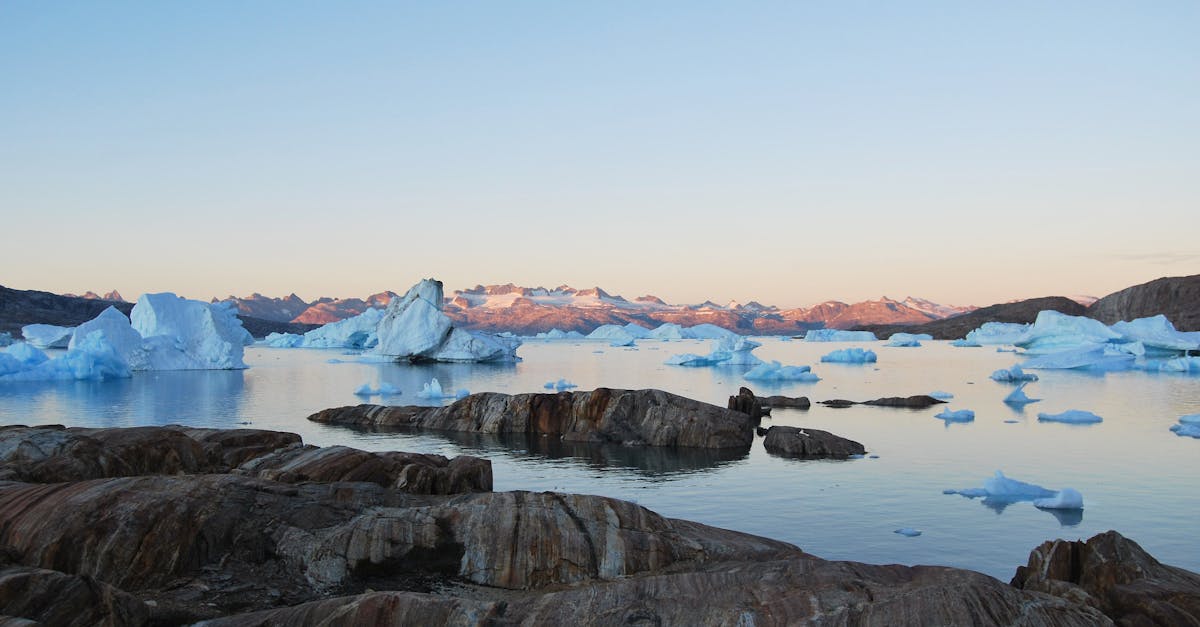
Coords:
pixel 529 310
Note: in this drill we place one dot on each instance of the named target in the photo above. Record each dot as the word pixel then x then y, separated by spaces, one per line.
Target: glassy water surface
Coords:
pixel 1135 475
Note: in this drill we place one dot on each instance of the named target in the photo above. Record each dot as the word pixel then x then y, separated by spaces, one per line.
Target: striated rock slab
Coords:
pixel 920 401
pixel 807 443
pixel 1116 575
pixel 49 597
pixel 633 417
pixel 411 472
pixel 793 402
pixel 1178 298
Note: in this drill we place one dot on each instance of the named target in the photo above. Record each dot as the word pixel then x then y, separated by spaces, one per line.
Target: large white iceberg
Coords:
pixel 838 335
pixel 183 334
pixel 414 328
pixel 850 356
pixel 353 332
pixel 556 334
pixel 47 335
pixel 706 331
pixel 608 332
pixel 118 332
pixel 667 331
pixel 1054 332
pixel 775 371
pixel 1071 416
pixel 284 340
pixel 907 339
pixel 92 358
pixel 996 333
pixel 1158 336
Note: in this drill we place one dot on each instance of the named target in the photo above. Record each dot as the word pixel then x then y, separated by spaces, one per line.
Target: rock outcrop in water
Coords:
pixel 1113 574
pixel 920 401
pixel 634 417
pixel 792 402
pixel 748 404
pixel 168 549
pixel 805 443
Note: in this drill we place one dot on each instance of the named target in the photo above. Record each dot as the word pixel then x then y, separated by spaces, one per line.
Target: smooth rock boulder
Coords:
pixel 1115 575
pixel 792 402
pixel 807 443
pixel 632 417
pixel 411 472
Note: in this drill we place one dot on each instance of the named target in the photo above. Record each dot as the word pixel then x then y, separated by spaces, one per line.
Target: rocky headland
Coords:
pixel 175 525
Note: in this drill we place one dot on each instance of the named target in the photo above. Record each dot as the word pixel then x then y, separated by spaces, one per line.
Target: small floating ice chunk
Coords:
pixel 1188 427
pixel 1018 397
pixel 837 335
pixel 387 389
pixel 433 391
pixel 1003 487
pixel 941 396
pixel 850 356
pixel 1013 375
pixel 365 390
pixel 1067 498
pixel 560 385
pixel 961 415
pixel 908 532
pixel 775 371
pixel 1071 416
pixel 908 339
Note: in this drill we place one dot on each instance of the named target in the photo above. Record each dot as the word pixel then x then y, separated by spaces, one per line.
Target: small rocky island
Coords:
pixel 177 525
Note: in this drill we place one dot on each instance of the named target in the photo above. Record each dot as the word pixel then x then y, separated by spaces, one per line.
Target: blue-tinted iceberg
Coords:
pixel 706 331
pixel 908 339
pixel 850 356
pixel 1013 375
pixel 1158 336
pixel 1071 416
pixel 608 332
pixel 941 396
pixel 838 335
pixel 414 328
pixel 93 358
pixel 1018 397
pixel 775 371
pixel 47 335
pixel 965 343
pixel 1189 426
pixel 961 415
pixel 1054 332
pixel 908 532
pixel 636 330
pixel 1004 490
pixel 996 333
pixel 625 340
pixel 284 340
pixel 433 391
pixel 353 332
pixel 560 385
pixel 730 350
pixel 1179 364
pixel 1105 357
pixel 555 334
pixel 6 339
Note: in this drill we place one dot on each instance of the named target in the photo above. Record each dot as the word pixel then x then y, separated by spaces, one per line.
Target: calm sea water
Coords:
pixel 1136 476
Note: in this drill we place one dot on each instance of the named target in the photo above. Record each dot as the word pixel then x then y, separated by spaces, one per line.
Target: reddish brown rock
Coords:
pixel 1114 574
pixel 633 417
pixel 411 472
pixel 48 597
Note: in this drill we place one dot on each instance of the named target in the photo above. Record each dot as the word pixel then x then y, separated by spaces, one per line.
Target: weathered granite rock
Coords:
pixel 748 404
pixel 48 597
pixel 809 443
pixel 373 608
pixel 920 401
pixel 1178 298
pixel 1112 573
pixel 634 417
pixel 412 472
pixel 793 402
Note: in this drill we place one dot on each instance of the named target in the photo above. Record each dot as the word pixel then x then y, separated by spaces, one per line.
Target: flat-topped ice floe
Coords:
pixel 995 334
pixel 1054 332
pixel 1071 416
pixel 47 335
pixel 1105 357
pixel 776 371
pixel 1000 488
pixel 556 334
pixel 907 339
pixel 961 415
pixel 838 335
pixel 413 328
pixel 1158 336
pixel 850 356
pixel 1189 426
pixel 730 350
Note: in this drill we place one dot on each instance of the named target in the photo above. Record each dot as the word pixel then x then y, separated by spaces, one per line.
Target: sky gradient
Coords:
pixel 789 152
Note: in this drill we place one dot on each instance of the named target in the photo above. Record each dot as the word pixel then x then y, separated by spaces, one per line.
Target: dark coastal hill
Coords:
pixel 955 327
pixel 1177 298
pixel 21 307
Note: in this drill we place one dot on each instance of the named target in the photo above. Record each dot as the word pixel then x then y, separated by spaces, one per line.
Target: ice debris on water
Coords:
pixel 908 532
pixel 1071 416
pixel 560 385
pixel 961 415
pixel 365 390
pixel 941 396
pixel 732 350
pixel 838 335
pixel 850 356
pixel 433 391
pixel 776 371
pixel 1018 397
pixel 1189 426
pixel 1013 375
pixel 1003 489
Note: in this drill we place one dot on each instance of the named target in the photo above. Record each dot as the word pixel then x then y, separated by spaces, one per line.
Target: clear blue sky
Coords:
pixel 787 152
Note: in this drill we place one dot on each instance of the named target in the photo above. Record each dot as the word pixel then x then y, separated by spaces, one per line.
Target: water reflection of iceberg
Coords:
pixel 410 378
pixel 1066 517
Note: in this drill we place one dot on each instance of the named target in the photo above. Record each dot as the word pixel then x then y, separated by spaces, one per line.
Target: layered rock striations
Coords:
pixel 635 417
pixel 1178 298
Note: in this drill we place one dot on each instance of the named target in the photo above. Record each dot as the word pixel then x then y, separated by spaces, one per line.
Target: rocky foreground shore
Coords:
pixel 175 525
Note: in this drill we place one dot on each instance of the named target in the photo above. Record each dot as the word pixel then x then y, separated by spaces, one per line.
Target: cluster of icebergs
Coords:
pixel 412 327
pixel 729 350
pixel 163 332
